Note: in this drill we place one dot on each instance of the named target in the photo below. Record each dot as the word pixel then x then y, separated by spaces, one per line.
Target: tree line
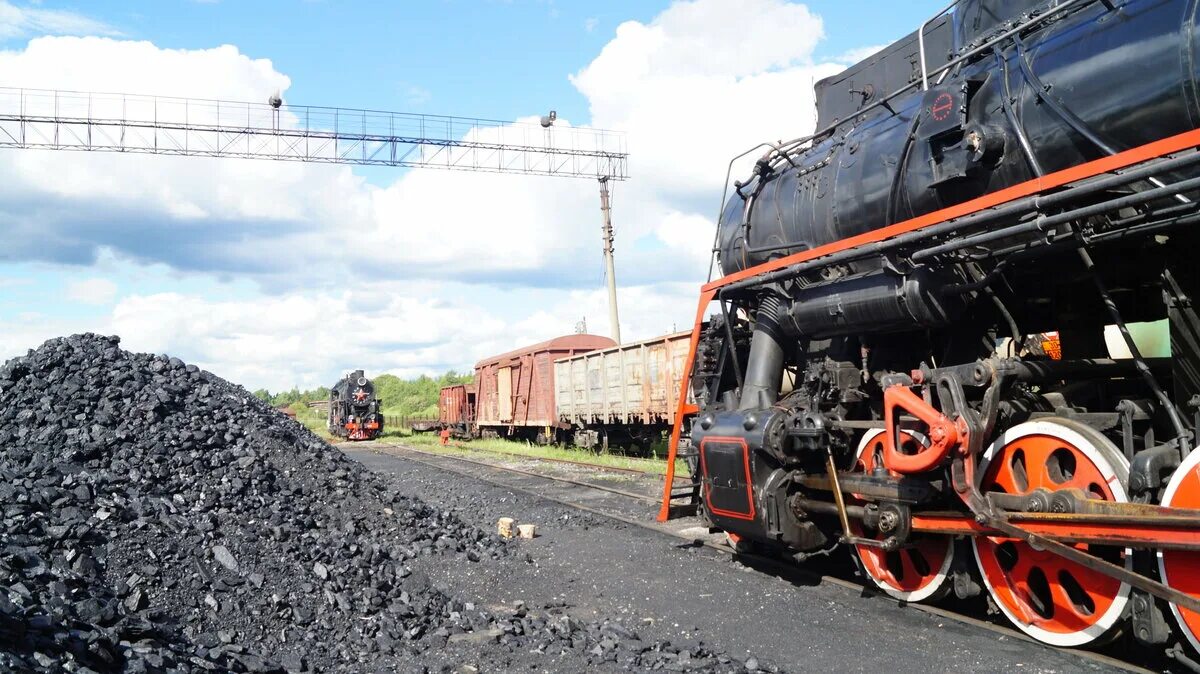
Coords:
pixel 417 397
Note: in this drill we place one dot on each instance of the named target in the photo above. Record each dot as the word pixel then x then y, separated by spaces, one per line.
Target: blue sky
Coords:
pixel 385 269
pixel 493 58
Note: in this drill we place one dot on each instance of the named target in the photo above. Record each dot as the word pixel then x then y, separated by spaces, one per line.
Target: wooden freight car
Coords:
pixel 515 391
pixel 456 410
pixel 624 396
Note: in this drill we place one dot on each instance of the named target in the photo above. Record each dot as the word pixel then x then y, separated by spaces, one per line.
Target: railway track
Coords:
pixel 546 459
pixel 517 471
pixel 581 495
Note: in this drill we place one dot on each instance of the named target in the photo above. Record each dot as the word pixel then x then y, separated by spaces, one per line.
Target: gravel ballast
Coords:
pixel 158 518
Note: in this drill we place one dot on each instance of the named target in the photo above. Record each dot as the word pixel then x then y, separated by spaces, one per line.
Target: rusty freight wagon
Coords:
pixel 623 396
pixel 456 409
pixel 515 391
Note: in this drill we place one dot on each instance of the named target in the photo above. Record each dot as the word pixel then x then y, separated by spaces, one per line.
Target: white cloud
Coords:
pixel 27 330
pixel 689 92
pixel 97 291
pixel 645 311
pixel 692 94
pixel 290 340
pixel 306 338
pixel 22 21
pixel 706 38
pixel 102 64
pixel 688 95
pixel 590 24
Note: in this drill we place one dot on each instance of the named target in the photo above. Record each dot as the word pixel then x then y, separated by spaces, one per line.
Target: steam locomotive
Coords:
pixel 870 372
pixel 354 409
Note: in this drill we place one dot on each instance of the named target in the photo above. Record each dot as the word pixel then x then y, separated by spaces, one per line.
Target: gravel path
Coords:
pixel 590 566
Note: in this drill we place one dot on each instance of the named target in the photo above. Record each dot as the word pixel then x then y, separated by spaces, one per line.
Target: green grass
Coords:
pixel 396 433
pixel 430 441
pixel 315 421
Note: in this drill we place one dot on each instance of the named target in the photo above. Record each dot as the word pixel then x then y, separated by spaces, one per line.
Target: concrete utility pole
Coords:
pixel 609 268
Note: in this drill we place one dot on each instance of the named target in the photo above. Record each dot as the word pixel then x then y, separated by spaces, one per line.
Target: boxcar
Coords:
pixel 515 391
pixel 623 396
pixel 456 409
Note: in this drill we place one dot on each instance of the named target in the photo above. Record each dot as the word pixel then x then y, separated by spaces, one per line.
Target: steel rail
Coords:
pixel 588 464
pixel 518 471
pixel 781 569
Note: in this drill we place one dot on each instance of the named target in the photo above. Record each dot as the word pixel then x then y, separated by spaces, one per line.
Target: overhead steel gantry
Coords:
pixel 94 122
pixel 97 122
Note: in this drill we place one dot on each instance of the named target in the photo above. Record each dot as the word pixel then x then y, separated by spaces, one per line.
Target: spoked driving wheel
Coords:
pixel 916 572
pixel 1180 569
pixel 1049 598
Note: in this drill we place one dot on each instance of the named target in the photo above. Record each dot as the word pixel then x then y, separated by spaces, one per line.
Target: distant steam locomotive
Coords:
pixel 354 409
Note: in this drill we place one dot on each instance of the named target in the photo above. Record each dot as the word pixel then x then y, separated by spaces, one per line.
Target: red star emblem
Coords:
pixel 360 395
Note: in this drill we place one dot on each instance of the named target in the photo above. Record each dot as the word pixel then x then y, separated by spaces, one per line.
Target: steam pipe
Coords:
pixel 732 350
pixel 980 373
pixel 1011 114
pixel 1072 120
pixel 1046 222
pixel 764 368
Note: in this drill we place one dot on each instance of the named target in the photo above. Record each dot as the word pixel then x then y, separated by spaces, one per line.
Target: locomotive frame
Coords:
pixel 921 475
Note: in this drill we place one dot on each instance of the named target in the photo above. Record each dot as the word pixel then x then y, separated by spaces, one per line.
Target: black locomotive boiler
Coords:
pixel 869 373
pixel 354 410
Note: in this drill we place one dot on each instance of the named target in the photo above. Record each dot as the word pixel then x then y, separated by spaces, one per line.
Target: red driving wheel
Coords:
pixel 1180 569
pixel 1050 598
pixel 916 572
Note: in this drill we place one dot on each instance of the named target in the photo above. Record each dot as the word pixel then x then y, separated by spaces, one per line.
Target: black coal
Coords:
pixel 158 518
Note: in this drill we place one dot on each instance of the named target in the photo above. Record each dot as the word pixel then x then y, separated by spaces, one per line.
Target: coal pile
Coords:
pixel 158 518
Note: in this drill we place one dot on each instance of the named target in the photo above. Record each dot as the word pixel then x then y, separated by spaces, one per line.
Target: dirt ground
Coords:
pixel 592 567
